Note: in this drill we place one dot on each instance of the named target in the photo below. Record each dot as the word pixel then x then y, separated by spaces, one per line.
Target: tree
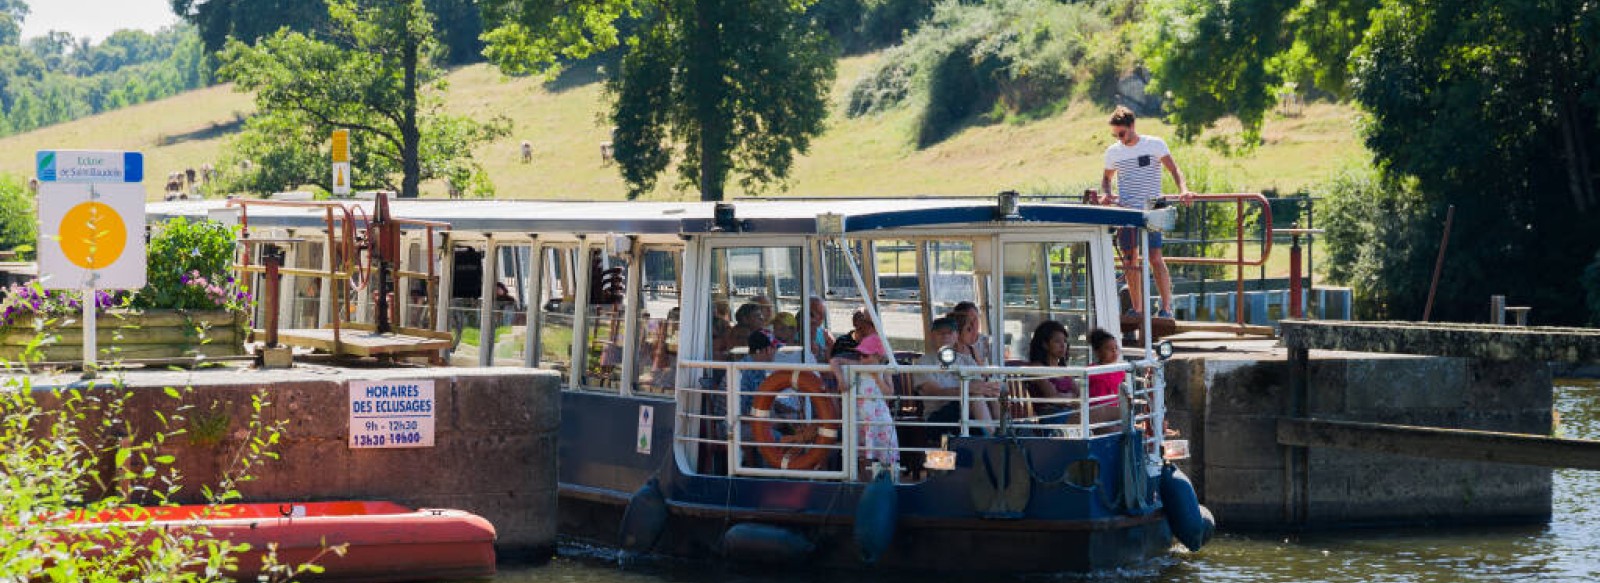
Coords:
pixel 12 13
pixel 740 86
pixel 1491 106
pixel 249 20
pixel 1215 58
pixel 375 77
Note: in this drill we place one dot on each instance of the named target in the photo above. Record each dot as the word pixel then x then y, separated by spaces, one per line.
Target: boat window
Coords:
pixel 555 299
pixel 414 302
pixel 1047 281
pixel 659 301
pixel 307 299
pixel 509 307
pixel 604 318
pixel 953 279
pixel 466 294
pixel 755 289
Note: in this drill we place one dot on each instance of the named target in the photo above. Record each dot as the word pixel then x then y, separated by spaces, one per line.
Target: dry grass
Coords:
pixel 872 156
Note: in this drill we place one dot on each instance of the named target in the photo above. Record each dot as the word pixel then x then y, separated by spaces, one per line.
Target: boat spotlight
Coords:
pixel 947 356
pixel 1009 206
pixel 723 219
pixel 1164 349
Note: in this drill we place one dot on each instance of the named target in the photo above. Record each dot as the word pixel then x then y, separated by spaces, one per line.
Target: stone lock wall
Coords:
pixel 494 452
pixel 1228 409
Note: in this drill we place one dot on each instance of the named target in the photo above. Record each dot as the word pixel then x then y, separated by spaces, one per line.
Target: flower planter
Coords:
pixel 128 335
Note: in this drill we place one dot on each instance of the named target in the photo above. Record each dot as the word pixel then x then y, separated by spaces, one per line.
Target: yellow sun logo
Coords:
pixel 93 235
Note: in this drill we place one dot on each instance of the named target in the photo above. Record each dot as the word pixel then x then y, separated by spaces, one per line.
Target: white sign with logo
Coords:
pixel 647 423
pixel 387 414
pixel 91 219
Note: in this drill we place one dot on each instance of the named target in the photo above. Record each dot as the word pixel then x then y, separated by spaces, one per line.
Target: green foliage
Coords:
pixel 185 261
pixel 1216 58
pixel 373 75
pixel 1490 107
pixel 994 60
pixel 55 78
pixel 740 87
pixel 863 25
pixel 75 454
pixel 1380 236
pixel 18 227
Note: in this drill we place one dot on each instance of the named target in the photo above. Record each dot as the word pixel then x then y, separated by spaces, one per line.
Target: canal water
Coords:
pixel 1567 549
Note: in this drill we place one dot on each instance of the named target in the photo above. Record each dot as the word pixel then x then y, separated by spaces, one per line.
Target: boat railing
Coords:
pixel 1013 412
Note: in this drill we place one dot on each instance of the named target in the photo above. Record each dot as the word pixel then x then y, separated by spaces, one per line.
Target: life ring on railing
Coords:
pixel 823 405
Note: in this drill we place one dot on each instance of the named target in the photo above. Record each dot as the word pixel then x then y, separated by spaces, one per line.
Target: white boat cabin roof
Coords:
pixel 774 217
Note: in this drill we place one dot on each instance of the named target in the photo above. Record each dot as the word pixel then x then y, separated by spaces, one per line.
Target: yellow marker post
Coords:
pixel 341 162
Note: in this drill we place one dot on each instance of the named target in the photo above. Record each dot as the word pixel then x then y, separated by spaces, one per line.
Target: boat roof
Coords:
pixel 777 216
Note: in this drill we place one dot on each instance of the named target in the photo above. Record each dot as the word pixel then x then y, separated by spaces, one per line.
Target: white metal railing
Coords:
pixel 1142 404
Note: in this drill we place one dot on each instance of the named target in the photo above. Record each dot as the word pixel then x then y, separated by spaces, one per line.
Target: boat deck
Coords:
pixel 359 342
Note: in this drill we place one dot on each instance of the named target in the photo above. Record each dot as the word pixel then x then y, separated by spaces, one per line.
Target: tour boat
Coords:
pixel 383 541
pixel 677 440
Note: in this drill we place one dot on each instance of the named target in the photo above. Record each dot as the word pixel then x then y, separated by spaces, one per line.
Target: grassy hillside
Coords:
pixel 874 155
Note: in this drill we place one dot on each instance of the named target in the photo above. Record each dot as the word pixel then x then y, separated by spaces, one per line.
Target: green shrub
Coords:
pixel 189 268
pixel 18 227
pixel 1379 235
pixel 994 61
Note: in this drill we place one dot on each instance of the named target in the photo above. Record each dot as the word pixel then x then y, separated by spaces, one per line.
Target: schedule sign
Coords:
pixel 385 414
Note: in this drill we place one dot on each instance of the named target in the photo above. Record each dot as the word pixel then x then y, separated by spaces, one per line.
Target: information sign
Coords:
pixel 389 414
pixel 341 162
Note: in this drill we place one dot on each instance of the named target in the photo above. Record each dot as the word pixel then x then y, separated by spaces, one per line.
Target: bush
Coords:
pixel 189 268
pixel 1380 235
pixel 18 227
pixel 75 453
pixel 993 61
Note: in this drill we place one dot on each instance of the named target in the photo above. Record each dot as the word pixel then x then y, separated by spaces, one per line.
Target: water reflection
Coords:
pixel 1563 550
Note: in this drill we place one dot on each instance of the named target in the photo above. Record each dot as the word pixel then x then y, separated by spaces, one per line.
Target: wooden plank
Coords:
pixel 361 343
pixel 1441 443
pixel 1182 326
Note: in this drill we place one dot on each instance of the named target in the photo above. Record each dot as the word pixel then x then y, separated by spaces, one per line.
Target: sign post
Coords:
pixel 91 227
pixel 341 162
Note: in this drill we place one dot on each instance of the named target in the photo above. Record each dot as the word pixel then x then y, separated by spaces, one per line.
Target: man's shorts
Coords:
pixel 1128 239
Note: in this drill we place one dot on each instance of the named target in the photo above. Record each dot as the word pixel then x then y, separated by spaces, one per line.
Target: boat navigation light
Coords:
pixel 723 219
pixel 947 356
pixel 940 459
pixel 1009 206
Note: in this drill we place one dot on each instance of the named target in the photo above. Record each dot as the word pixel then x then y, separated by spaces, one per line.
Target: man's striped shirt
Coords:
pixel 1138 171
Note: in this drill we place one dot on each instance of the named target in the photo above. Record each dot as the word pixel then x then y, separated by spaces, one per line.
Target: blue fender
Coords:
pixel 645 518
pixel 1191 523
pixel 876 515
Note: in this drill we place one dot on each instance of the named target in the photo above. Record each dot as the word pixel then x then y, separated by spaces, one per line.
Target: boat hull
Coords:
pixel 383 541
pixel 942 545
pixel 945 522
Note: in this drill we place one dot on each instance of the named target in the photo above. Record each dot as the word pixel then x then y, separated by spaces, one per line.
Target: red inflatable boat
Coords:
pixel 386 541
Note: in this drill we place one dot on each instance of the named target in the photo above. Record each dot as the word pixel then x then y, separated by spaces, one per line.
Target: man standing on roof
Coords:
pixel 1133 159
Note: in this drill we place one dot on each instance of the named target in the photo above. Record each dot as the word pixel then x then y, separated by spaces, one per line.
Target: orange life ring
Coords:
pixel 776 453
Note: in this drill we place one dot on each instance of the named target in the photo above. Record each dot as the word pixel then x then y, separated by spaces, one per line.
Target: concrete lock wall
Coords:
pixel 1228 408
pixel 494 450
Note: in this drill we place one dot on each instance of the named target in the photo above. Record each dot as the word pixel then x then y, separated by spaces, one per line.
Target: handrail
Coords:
pixel 1238 261
pixel 1239 199
pixel 1072 421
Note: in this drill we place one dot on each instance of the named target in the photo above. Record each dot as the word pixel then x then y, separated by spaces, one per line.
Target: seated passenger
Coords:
pixel 786 329
pixel 1104 387
pixel 821 342
pixel 1049 347
pixel 861 327
pixel 947 384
